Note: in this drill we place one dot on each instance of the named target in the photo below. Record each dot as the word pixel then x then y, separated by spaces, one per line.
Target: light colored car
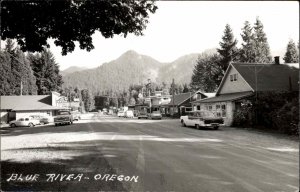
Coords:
pixel 121 114
pixel 129 114
pixel 155 115
pixel 76 116
pixel 24 122
pixel 201 119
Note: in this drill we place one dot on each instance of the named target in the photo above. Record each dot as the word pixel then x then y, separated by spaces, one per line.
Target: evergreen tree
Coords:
pixel 17 72
pixel 46 71
pixel 247 52
pixel 228 49
pixel 291 55
pixel 5 71
pixel 207 73
pixel 88 100
pixel 185 88
pixel 262 49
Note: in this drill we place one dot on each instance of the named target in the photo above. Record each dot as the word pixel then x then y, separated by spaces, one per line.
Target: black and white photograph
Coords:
pixel 149 96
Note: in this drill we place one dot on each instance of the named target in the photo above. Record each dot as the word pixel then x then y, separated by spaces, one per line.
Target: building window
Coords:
pixel 223 113
pixel 218 114
pixel 198 107
pixel 223 107
pixel 234 77
pixel 218 107
pixel 208 107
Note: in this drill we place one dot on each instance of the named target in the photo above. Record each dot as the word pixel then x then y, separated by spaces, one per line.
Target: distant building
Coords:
pixel 244 80
pixel 181 103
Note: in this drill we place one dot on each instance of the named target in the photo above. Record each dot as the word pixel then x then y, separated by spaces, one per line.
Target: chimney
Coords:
pixel 277 61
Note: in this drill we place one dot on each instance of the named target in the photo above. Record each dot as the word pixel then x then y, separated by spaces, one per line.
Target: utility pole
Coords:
pixel 21 88
pixel 173 92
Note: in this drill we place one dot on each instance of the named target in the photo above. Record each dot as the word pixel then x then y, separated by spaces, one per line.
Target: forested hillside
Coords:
pixel 132 68
pixel 117 75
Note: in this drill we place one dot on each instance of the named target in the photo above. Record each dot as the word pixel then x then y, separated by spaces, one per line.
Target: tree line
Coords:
pixel 28 74
pixel 210 68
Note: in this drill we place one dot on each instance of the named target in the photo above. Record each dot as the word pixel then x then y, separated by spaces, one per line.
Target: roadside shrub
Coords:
pixel 278 111
pixel 242 116
pixel 287 118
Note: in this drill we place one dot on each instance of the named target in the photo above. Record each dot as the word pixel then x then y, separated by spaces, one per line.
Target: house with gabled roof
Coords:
pixel 245 80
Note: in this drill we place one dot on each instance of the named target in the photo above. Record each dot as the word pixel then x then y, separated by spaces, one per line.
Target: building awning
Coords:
pixel 225 97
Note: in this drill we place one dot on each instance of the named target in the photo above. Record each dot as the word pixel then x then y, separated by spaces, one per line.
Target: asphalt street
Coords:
pixel 117 154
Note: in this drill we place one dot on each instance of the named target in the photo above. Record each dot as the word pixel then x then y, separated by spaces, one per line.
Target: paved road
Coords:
pixel 112 154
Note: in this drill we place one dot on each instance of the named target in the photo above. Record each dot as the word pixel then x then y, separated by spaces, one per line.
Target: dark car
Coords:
pixel 142 115
pixel 63 117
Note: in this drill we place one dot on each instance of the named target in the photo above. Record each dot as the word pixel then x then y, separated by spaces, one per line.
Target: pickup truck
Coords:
pixel 63 117
pixel 201 119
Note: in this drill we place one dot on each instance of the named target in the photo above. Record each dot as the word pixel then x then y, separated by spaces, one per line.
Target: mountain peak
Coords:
pixel 131 53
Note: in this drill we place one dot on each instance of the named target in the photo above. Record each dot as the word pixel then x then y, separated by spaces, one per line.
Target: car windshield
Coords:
pixel 156 112
pixel 207 114
pixel 63 113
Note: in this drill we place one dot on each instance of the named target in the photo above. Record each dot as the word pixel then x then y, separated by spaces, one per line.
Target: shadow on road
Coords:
pixel 83 158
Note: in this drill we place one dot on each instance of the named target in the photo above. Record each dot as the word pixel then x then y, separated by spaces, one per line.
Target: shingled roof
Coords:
pixel 27 102
pixel 180 98
pixel 270 77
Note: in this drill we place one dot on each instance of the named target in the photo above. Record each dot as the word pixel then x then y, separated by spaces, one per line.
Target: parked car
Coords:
pixel 155 115
pixel 142 115
pixel 24 122
pixel 201 119
pixel 121 114
pixel 129 114
pixel 46 120
pixel 63 117
pixel 76 116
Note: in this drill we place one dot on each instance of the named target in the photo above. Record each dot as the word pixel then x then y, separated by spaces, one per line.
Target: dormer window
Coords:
pixel 233 77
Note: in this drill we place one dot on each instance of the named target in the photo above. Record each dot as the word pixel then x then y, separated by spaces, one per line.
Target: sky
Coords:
pixel 182 27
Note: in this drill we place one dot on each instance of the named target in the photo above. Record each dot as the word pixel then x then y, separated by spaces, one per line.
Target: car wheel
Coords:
pixel 197 126
pixel 12 125
pixel 30 125
pixel 183 124
pixel 216 127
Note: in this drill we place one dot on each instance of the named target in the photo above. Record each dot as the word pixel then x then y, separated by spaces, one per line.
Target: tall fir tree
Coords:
pixel 46 71
pixel 17 72
pixel 247 51
pixel 291 54
pixel 262 49
pixel 228 50
pixel 207 73
pixel 5 71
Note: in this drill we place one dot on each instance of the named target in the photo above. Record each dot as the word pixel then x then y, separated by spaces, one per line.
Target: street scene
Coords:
pixel 149 96
pixel 161 154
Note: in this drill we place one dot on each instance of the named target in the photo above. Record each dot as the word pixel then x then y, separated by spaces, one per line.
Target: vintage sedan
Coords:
pixel 24 122
pixel 201 119
pixel 121 113
pixel 155 115
pixel 142 115
pixel 63 117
